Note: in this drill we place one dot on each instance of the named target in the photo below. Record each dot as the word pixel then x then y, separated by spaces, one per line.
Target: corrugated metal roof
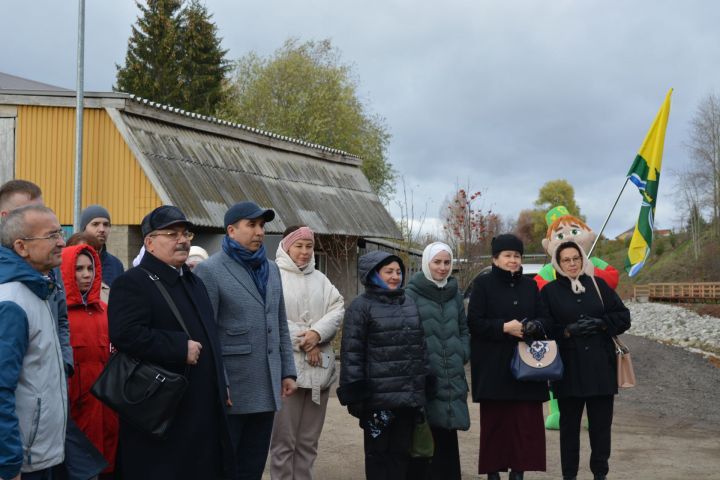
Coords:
pixel 204 173
pixel 205 118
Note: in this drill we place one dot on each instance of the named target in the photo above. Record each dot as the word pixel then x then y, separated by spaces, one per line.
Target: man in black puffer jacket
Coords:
pixel 384 367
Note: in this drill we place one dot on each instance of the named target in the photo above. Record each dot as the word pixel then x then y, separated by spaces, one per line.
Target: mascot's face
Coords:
pixel 569 230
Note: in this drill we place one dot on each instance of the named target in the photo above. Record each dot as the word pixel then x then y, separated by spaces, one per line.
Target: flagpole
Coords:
pixel 608 217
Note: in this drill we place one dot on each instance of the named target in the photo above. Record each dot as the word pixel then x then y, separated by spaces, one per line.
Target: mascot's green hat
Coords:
pixel 555 213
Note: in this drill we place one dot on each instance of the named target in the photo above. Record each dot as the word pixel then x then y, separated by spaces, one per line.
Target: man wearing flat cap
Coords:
pixel 246 293
pixel 142 324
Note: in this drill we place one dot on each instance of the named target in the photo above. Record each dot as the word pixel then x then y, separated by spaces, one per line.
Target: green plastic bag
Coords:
pixel 423 445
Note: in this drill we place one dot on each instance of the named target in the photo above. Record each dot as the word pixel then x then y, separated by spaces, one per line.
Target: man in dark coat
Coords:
pixel 142 324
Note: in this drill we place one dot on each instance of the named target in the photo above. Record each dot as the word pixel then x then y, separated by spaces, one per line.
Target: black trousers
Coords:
pixel 387 457
pixel 445 463
pixel 600 414
pixel 250 435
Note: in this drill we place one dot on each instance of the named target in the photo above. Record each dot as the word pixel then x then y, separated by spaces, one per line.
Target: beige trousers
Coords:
pixel 295 435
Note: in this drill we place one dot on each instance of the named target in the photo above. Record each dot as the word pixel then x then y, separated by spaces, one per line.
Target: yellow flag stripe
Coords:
pixel 652 148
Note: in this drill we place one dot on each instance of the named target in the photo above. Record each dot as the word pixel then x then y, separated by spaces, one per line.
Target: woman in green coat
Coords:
pixel 442 315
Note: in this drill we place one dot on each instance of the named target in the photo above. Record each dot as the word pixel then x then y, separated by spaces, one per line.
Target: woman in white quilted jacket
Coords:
pixel 314 312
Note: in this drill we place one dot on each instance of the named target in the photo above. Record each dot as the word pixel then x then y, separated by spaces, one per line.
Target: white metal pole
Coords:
pixel 608 218
pixel 79 90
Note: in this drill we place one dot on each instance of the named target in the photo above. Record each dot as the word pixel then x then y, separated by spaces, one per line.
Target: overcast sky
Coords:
pixel 501 95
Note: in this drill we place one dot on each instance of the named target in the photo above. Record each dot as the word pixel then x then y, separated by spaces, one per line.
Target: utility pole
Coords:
pixel 79 107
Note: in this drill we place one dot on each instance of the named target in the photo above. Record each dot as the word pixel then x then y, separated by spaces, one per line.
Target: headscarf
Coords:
pixel 136 261
pixel 587 266
pixel 428 254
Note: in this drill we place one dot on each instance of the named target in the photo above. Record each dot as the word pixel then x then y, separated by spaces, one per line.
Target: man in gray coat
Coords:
pixel 246 293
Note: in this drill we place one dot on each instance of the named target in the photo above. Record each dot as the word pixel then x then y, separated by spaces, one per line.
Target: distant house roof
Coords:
pixel 203 164
pixel 657 233
pixel 11 82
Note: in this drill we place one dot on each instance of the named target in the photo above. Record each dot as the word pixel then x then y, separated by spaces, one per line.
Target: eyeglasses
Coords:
pixel 174 235
pixel 568 261
pixel 55 236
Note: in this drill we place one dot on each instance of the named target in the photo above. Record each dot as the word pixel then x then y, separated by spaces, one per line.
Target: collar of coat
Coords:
pixel 385 296
pixel 168 274
pixel 422 286
pixel 505 275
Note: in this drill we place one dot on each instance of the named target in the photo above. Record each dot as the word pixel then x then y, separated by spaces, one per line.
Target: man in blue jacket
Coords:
pixel 32 374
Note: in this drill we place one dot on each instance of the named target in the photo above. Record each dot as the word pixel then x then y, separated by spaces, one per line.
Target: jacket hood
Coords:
pixel 370 262
pixel 67 268
pixel 283 260
pixel 14 269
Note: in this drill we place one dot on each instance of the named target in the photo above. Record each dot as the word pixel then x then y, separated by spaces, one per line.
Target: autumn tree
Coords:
pixel 305 91
pixel 410 222
pixel 174 57
pixel 704 146
pixel 531 226
pixel 468 230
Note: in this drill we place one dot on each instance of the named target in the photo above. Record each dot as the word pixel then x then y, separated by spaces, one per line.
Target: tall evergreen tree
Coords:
pixel 203 65
pixel 152 69
pixel 174 57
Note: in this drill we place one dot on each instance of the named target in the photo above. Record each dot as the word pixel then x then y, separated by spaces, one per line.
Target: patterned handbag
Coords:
pixel 537 361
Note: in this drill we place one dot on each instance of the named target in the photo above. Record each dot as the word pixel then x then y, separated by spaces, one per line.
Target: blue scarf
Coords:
pixel 255 263
pixel 378 282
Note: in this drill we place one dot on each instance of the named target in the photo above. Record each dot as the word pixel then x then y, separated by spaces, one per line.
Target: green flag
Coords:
pixel 645 174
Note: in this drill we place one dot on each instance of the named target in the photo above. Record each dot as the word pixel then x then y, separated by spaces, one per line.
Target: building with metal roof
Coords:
pixel 138 155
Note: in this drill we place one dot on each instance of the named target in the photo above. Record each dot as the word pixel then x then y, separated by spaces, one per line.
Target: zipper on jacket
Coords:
pixel 58 352
pixel 35 428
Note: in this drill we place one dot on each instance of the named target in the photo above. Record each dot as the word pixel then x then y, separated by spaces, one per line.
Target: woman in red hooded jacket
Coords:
pixel 87 314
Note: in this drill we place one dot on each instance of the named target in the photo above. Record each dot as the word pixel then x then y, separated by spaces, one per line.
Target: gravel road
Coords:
pixel 666 428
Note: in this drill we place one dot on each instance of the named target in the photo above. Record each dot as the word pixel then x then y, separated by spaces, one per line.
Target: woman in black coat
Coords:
pixel 587 314
pixel 142 324
pixel 383 366
pixel 512 434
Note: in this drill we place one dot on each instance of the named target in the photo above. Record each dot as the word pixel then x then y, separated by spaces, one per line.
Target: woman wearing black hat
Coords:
pixel 383 366
pixel 504 308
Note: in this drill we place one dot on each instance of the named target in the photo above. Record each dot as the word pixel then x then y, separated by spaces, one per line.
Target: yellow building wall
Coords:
pixel 112 177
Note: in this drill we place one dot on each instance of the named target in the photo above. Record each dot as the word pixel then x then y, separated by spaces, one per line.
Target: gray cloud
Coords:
pixel 503 95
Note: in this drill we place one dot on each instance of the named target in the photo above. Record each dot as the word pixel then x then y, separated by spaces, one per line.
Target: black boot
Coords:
pixel 574 477
pixel 516 475
pixel 599 476
pixel 493 476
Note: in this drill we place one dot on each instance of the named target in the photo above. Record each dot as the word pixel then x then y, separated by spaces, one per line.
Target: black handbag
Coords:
pixel 143 393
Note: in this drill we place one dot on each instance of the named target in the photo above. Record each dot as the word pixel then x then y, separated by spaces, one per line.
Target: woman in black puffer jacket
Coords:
pixel 383 367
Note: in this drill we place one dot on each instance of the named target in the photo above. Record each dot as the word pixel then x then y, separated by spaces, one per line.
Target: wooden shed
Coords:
pixel 138 155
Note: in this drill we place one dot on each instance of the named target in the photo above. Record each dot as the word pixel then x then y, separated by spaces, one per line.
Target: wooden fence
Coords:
pixel 702 292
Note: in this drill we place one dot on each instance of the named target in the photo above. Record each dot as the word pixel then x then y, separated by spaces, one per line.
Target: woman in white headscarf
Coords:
pixel 442 315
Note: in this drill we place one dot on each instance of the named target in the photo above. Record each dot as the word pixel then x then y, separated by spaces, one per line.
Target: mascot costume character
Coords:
pixel 563 227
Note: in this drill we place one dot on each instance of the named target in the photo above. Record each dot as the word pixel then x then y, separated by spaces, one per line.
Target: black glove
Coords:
pixel 356 410
pixel 532 329
pixel 592 325
pixel 574 330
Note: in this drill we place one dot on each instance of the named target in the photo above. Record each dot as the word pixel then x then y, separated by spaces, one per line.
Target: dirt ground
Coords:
pixel 666 428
